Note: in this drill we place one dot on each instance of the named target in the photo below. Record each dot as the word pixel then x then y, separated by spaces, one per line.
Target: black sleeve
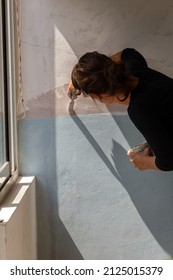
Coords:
pixel 155 134
pixel 133 59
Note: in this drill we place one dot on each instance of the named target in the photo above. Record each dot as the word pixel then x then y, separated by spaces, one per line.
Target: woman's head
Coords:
pixel 98 74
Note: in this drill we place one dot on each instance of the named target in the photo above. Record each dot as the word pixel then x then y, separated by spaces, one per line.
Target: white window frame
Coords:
pixel 9 171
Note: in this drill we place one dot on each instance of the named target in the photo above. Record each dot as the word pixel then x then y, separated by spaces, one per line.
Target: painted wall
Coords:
pixel 91 203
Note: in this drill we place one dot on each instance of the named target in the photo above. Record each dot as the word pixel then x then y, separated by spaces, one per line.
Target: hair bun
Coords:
pixel 115 73
pixel 121 72
pixel 97 73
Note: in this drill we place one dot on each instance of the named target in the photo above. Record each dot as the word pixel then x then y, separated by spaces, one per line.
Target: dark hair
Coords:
pixel 97 73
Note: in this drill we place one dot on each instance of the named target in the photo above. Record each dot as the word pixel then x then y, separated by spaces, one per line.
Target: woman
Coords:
pixel 125 78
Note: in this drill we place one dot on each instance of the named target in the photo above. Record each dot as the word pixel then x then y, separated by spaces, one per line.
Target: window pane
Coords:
pixel 2 103
pixel 2 132
pixel 8 131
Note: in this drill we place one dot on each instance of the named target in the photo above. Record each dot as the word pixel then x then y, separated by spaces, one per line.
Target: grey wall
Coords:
pixel 91 203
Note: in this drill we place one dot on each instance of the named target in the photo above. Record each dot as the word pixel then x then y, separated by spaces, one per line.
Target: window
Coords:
pixel 8 135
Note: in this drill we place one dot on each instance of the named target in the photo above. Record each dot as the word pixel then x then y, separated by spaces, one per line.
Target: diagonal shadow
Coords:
pixel 147 190
pixel 91 139
pixel 150 195
pixel 54 241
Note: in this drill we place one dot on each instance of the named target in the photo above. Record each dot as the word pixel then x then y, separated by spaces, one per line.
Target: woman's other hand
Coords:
pixel 143 160
pixel 72 92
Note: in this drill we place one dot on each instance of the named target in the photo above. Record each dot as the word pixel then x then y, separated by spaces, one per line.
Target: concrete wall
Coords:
pixel 91 203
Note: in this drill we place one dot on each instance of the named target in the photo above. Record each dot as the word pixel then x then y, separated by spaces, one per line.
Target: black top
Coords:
pixel 151 107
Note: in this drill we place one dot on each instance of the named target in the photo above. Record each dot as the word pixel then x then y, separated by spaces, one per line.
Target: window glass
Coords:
pixel 5 169
pixel 8 122
pixel 2 106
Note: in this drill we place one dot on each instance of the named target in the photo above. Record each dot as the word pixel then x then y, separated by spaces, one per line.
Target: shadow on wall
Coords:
pixel 150 191
pixel 151 194
pixel 91 140
pixel 94 25
pixel 108 26
pixel 54 241
pixel 38 156
pixel 88 23
pixel 152 198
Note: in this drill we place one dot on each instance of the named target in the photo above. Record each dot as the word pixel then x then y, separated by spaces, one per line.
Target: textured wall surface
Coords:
pixel 91 203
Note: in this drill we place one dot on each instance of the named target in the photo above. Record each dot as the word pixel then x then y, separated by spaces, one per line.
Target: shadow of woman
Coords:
pixel 150 195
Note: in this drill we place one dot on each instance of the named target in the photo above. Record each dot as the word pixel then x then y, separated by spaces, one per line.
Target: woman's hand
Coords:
pixel 72 92
pixel 142 160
